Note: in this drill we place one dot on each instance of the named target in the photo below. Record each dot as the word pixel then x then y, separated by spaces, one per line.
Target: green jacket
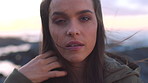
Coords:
pixel 115 72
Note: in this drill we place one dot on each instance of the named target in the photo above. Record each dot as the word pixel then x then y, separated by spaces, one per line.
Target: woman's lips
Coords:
pixel 74 45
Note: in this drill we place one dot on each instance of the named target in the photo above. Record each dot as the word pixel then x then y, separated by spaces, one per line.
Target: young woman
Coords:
pixel 73 48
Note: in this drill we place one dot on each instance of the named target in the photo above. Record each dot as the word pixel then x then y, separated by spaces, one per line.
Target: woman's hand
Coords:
pixel 39 68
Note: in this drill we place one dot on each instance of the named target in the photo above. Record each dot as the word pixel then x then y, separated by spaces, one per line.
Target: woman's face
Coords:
pixel 73 27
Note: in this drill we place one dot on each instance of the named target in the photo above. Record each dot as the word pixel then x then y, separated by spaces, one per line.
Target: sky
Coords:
pixel 125 7
pixel 125 14
pixel 23 15
pixel 17 16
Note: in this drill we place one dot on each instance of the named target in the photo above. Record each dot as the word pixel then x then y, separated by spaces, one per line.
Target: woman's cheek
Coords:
pixel 54 36
pixel 57 36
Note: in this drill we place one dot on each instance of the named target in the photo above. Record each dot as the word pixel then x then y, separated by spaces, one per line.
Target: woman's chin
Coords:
pixel 75 59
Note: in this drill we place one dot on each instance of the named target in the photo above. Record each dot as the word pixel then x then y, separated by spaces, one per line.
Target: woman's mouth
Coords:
pixel 74 45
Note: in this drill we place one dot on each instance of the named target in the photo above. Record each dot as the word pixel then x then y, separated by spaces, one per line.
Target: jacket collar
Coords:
pixel 115 71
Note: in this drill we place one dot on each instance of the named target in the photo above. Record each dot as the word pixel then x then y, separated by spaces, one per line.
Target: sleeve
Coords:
pixel 17 77
pixel 130 79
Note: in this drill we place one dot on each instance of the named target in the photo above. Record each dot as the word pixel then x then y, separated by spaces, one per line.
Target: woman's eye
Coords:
pixel 60 21
pixel 85 18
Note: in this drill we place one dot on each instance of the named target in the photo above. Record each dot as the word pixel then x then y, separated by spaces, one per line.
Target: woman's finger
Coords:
pixel 54 74
pixel 53 65
pixel 50 59
pixel 46 55
pixel 46 61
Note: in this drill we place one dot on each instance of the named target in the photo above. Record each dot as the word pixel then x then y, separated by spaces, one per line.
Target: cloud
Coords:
pixel 125 7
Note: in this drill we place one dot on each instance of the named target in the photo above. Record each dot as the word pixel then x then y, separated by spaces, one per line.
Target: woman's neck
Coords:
pixel 77 71
pixel 78 67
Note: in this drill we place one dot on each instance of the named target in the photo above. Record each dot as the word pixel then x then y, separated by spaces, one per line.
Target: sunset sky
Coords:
pixel 125 14
pixel 23 15
pixel 19 16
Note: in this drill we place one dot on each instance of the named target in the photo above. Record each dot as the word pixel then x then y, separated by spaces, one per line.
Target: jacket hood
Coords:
pixel 115 71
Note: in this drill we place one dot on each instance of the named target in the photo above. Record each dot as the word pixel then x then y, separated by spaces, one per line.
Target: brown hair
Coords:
pixel 93 72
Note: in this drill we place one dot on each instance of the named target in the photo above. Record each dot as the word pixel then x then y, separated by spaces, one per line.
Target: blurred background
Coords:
pixel 126 24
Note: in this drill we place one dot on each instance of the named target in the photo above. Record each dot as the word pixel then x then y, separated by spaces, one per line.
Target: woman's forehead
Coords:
pixel 71 1
pixel 66 5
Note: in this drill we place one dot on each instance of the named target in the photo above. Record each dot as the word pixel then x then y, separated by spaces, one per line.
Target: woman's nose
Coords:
pixel 73 31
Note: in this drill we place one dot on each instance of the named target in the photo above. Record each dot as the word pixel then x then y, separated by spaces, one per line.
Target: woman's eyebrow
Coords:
pixel 84 11
pixel 64 14
pixel 59 13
